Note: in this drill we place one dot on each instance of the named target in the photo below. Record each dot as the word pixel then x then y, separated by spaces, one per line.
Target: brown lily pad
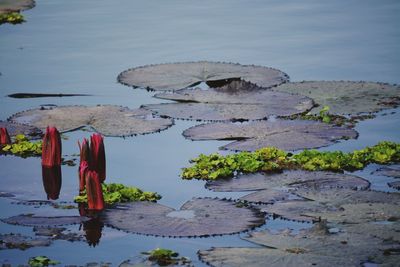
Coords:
pixel 107 120
pixel 31 220
pixel 346 98
pixel 182 75
pixel 18 241
pixel 196 218
pixel 14 129
pixel 38 95
pixel 288 179
pixel 267 196
pixel 306 249
pixel 7 6
pixel 395 185
pixel 390 171
pixel 283 134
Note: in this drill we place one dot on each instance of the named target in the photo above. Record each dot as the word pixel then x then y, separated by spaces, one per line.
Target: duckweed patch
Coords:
pixel 270 159
pixel 119 193
pixel 23 147
pixel 165 257
pixel 41 261
pixel 12 18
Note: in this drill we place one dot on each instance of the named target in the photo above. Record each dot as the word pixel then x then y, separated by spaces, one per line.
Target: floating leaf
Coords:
pixel 107 120
pixel 15 129
pixel 182 75
pixel 283 134
pixel 31 220
pixel 18 241
pixel 198 217
pixel 391 171
pixel 15 5
pixel 346 98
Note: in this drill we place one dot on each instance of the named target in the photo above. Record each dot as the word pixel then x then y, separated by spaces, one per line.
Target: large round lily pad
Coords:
pixel 288 179
pixel 283 134
pixel 390 171
pixel 13 129
pixel 107 120
pixel 346 98
pixel 305 249
pixel 15 5
pixel 31 220
pixel 182 75
pixel 197 217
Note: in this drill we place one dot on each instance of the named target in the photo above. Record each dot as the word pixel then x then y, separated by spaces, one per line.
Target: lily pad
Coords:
pixel 283 134
pixel 395 185
pixel 306 249
pixel 15 5
pixel 14 129
pixel 18 241
pixel 207 217
pixel 267 196
pixel 107 120
pixel 31 220
pixel 182 75
pixel 38 95
pixel 390 171
pixel 288 179
pixel 346 98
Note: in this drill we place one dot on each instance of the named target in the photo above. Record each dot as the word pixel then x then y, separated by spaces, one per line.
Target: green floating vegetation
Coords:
pixel 41 261
pixel 12 18
pixel 119 193
pixel 165 257
pixel 23 147
pixel 214 166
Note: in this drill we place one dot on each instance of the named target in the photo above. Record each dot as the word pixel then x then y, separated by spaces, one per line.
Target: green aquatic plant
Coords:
pixel 164 257
pixel 41 261
pixel 12 18
pixel 23 147
pixel 214 166
pixel 118 193
pixel 326 117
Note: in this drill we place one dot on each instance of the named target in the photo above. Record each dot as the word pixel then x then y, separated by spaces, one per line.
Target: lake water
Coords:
pixel 81 46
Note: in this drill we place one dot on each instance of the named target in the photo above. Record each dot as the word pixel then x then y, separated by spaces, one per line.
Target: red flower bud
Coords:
pixel 94 191
pixel 52 181
pixel 98 156
pixel 51 148
pixel 4 137
pixel 83 168
pixel 84 149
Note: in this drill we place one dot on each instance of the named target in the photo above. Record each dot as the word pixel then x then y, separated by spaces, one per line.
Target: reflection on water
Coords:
pixel 93 229
pixel 52 181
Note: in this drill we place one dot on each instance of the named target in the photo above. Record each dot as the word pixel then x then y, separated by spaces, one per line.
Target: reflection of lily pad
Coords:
pixel 107 120
pixel 182 75
pixel 305 249
pixel 17 128
pixel 283 134
pixel 288 179
pixel 15 5
pixel 346 98
pixel 30 220
pixel 18 241
pixel 208 217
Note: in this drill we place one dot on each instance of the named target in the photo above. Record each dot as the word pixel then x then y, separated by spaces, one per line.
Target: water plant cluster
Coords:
pixel 214 166
pixel 117 193
pixel 166 257
pixel 12 18
pixel 41 261
pixel 23 147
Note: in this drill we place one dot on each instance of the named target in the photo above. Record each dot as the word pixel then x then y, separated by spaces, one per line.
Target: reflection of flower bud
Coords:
pixel 51 148
pixel 93 229
pixel 52 181
pixel 4 137
pixel 94 191
pixel 98 156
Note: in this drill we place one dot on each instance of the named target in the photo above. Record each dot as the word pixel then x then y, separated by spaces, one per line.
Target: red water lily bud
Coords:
pixel 51 148
pixel 84 149
pixel 83 168
pixel 98 156
pixel 52 181
pixel 4 137
pixel 94 191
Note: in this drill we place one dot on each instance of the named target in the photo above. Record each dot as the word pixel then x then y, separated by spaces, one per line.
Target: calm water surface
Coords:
pixel 81 46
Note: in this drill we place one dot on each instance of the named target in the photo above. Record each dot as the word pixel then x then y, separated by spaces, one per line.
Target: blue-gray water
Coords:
pixel 81 46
